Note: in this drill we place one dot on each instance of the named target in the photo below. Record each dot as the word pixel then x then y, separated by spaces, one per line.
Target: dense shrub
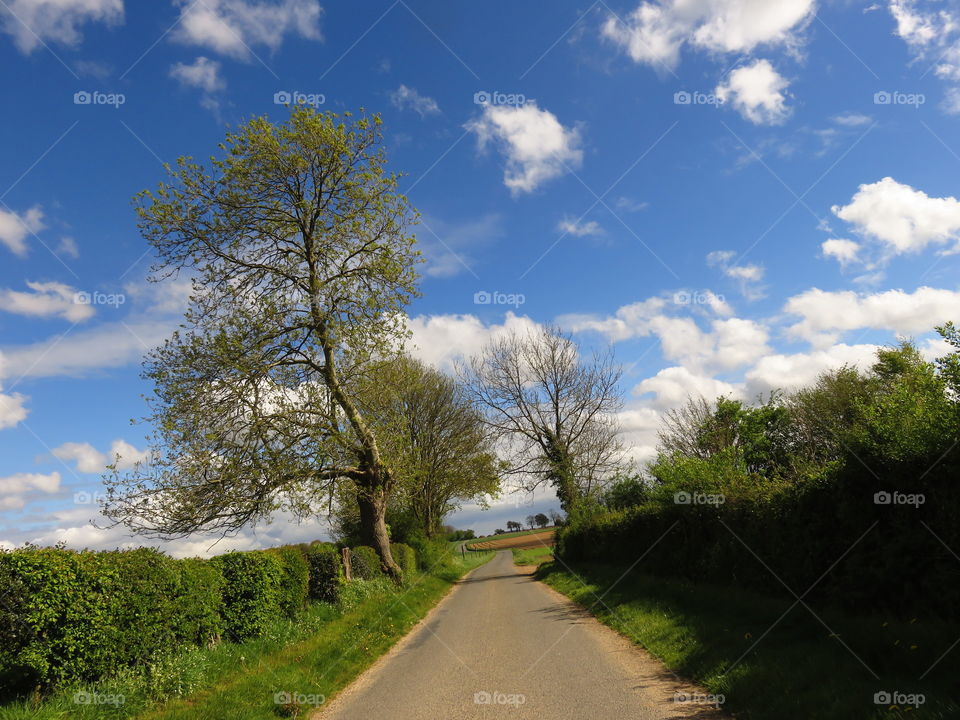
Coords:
pixel 295 584
pixel 71 616
pixel 406 557
pixel 365 563
pixel 252 591
pixel 326 572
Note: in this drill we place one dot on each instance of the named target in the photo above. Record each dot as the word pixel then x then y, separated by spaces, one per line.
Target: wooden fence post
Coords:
pixel 347 568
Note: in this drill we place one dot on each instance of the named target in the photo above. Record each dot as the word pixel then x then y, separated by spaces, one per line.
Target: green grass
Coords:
pixel 532 556
pixel 488 538
pixel 314 656
pixel 796 671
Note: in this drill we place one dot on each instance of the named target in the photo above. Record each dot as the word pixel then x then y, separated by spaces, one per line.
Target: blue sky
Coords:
pixel 737 194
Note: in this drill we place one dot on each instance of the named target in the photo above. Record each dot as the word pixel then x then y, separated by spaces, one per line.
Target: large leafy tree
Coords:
pixel 433 437
pixel 299 246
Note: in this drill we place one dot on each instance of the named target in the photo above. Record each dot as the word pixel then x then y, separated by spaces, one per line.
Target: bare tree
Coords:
pixel 553 411
pixel 303 265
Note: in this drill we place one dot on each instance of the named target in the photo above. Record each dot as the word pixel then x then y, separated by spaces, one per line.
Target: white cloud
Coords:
pixel 673 386
pixel 842 250
pixel 203 73
pixel 47 299
pixel 571 226
pixel 791 372
pixel 748 277
pixel 655 32
pixel 408 98
pixel 536 145
pixel 931 30
pixel 827 315
pixel 32 22
pixel 90 460
pixel 449 247
pixel 440 340
pixel 12 410
pixel 68 246
pixel 233 27
pixel 905 220
pixel 15 227
pixel 852 120
pixel 15 489
pixel 756 91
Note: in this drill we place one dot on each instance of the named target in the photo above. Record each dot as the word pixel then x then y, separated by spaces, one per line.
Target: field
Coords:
pixel 530 539
pixel 532 556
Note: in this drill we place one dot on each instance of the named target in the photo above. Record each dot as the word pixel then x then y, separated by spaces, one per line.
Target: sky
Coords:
pixel 735 195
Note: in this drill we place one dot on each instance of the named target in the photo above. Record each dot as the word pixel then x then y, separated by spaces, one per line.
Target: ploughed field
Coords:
pixel 529 540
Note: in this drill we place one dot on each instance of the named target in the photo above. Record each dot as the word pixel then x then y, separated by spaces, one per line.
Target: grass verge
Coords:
pixel 771 663
pixel 288 673
pixel 532 556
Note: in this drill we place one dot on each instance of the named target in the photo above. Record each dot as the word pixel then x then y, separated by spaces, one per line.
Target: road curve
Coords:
pixel 504 645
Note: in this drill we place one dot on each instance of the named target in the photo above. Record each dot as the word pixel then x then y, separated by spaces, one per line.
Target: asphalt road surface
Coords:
pixel 504 645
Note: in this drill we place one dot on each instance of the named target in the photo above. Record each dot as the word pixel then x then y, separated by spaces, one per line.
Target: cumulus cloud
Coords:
pixel 655 32
pixel 407 98
pixel 233 27
pixel 931 29
pixel 12 409
pixel 673 386
pixel 572 226
pixel 15 490
pixel 842 250
pixel 791 372
pixel 825 316
pixel 441 340
pixel 202 73
pixel 901 218
pixel 88 459
pixel 33 22
pixel 14 228
pixel 46 299
pixel 757 92
pixel 537 147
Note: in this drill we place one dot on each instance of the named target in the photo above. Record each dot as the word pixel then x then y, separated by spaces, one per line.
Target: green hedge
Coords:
pixel 326 572
pixel 73 616
pixel 365 563
pixel 252 591
pixel 405 557
pixel 295 584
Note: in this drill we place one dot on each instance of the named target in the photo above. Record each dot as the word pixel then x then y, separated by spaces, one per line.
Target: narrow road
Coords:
pixel 504 645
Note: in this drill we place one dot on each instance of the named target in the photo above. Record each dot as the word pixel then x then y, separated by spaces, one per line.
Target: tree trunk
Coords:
pixel 373 512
